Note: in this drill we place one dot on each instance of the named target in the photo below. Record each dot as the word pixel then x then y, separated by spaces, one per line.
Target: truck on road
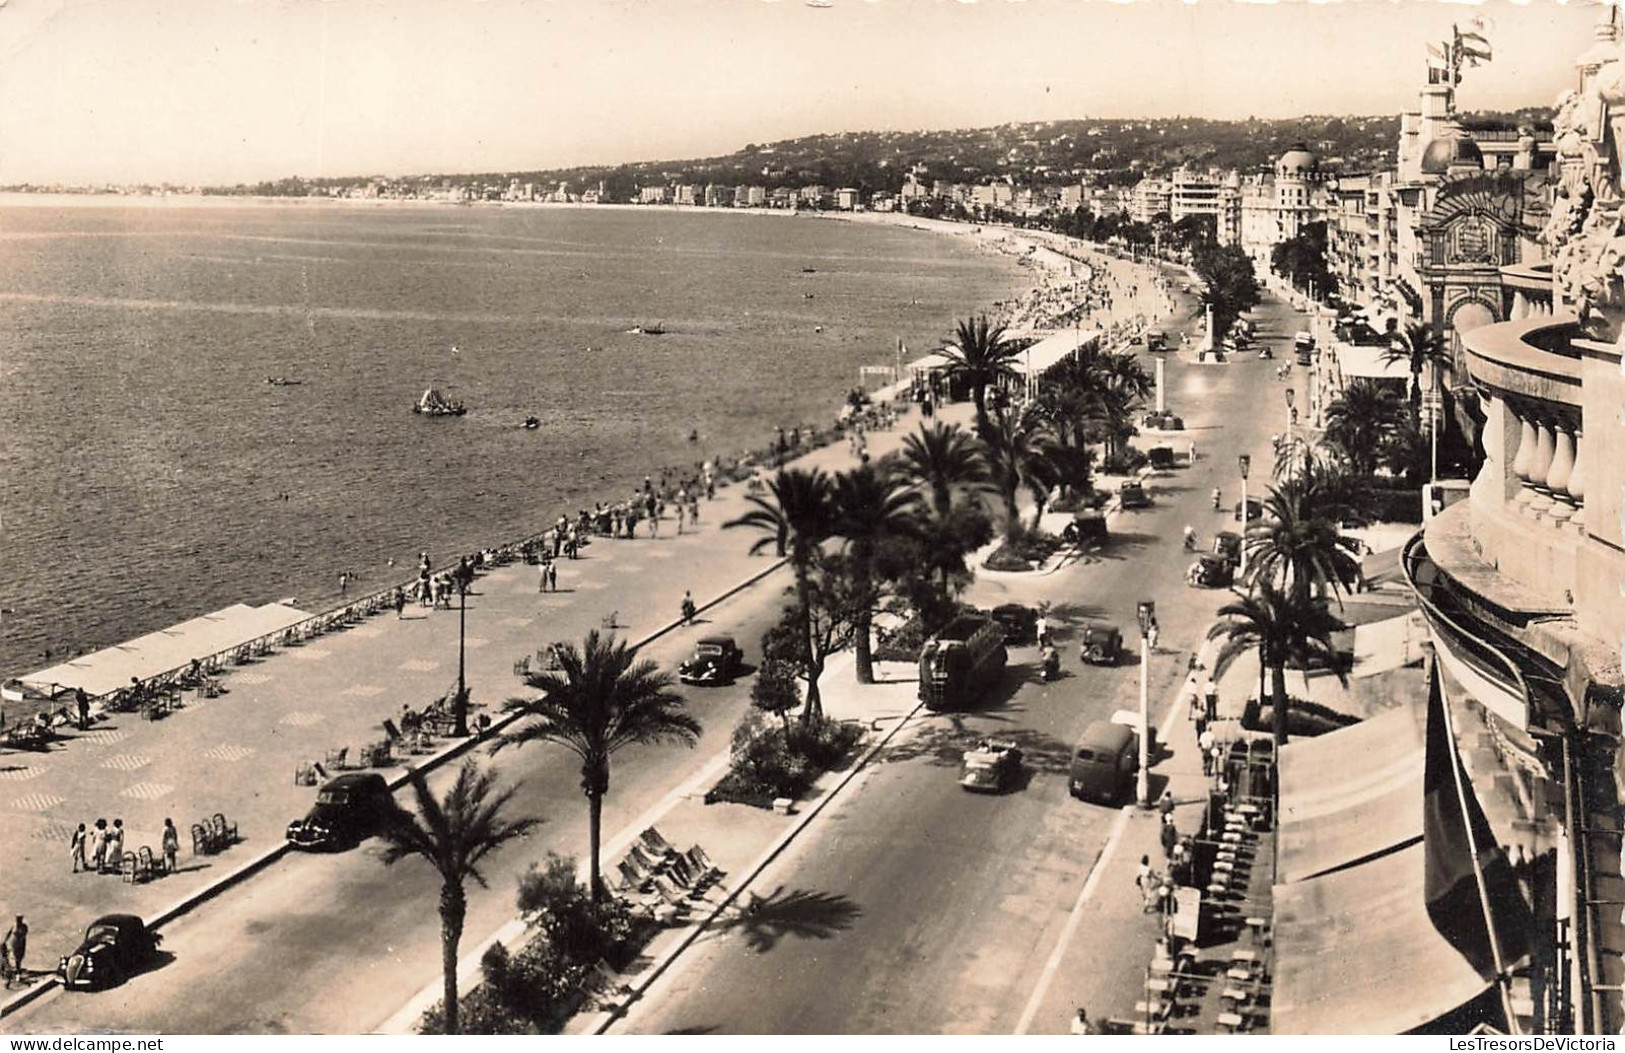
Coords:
pixel 961 662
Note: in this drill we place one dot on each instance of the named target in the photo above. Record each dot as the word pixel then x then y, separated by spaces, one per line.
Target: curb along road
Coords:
pixel 270 856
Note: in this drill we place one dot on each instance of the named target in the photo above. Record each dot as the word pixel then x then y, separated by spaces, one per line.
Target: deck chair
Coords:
pixel 698 858
pixel 145 865
pixel 631 880
pixel 681 875
pixel 672 896
pixel 522 666
pixel 645 861
pixel 129 866
pixel 226 832
pixel 337 759
pixel 201 844
pixel 653 839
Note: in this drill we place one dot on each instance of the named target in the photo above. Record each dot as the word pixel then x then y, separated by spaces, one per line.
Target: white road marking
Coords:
pixel 1090 883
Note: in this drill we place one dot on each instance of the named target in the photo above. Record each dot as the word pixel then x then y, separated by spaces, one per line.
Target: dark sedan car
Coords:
pixel 1255 508
pixel 115 945
pixel 716 660
pixel 1020 622
pixel 348 810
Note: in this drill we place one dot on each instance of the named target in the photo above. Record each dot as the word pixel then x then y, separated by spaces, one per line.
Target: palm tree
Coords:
pixel 981 357
pixel 941 460
pixel 870 505
pixel 1283 627
pixel 1419 347
pixel 1297 545
pixel 797 516
pixel 599 700
pixel 453 835
pixel 1018 447
pixel 1359 422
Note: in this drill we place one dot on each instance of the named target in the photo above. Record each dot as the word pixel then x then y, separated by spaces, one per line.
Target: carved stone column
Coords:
pixel 1527 441
pixel 1557 477
pixel 1540 500
pixel 1577 484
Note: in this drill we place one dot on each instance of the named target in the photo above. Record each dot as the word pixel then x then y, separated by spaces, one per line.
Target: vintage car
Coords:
pixel 1156 340
pixel 1165 420
pixel 1161 457
pixel 1130 494
pixel 115 945
pixel 1255 508
pixel 992 767
pixel 1020 622
pixel 1227 543
pixel 1088 524
pixel 716 660
pixel 1210 572
pixel 1102 643
pixel 348 810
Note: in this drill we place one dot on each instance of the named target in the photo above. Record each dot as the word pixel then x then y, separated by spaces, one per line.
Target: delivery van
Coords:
pixel 1105 762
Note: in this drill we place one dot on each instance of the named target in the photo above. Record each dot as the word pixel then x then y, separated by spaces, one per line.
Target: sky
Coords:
pixel 226 91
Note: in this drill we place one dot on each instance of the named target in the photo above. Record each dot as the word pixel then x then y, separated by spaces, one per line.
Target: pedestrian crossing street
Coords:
pixel 147 791
pixel 229 753
pixel 36 802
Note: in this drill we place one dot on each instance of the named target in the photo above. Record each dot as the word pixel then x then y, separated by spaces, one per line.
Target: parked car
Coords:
pixel 1255 508
pixel 1167 420
pixel 1210 572
pixel 115 945
pixel 716 660
pixel 1227 543
pixel 1130 494
pixel 1104 763
pixel 1161 457
pixel 1088 524
pixel 1102 643
pixel 1020 622
pixel 994 766
pixel 348 810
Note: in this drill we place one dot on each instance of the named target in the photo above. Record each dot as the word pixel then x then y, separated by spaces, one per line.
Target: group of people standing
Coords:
pixel 100 850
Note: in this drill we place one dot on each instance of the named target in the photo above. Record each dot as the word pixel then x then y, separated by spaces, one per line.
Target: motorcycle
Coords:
pixel 1050 667
pixel 1190 540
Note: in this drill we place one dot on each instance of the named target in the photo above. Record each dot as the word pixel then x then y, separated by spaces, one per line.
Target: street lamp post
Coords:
pixel 1244 462
pixel 1291 397
pixel 459 704
pixel 1142 780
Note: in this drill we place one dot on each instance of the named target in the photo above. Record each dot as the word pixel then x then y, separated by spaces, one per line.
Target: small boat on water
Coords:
pixel 658 329
pixel 282 382
pixel 531 423
pixel 433 404
pixel 809 270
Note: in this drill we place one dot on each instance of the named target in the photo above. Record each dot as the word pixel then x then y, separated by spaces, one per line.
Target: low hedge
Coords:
pixel 770 761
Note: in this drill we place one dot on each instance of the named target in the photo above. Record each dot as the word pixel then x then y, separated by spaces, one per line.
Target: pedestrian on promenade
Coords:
pixel 15 949
pixel 344 583
pixel 170 846
pixel 1210 699
pixel 1142 874
pixel 400 603
pixel 1216 761
pixel 1151 633
pixel 115 846
pixel 1165 805
pixel 552 577
pixel 688 607
pixel 82 701
pixel 694 511
pixel 1170 836
pixel 681 512
pixel 656 506
pixel 1081 1024
pixel 1204 742
pixel 98 845
pixel 541 576
pixel 76 849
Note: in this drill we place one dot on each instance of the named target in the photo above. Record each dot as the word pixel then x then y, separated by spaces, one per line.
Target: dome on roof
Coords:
pixel 1442 155
pixel 1299 160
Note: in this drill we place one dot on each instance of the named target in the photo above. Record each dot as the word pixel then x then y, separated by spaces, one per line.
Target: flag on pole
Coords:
pixel 1472 895
pixel 1473 47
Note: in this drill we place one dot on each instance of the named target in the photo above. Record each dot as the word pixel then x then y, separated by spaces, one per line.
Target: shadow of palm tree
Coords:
pixel 944 745
pixel 801 914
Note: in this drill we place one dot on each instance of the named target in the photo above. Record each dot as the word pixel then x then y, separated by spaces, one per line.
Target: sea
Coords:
pixel 149 472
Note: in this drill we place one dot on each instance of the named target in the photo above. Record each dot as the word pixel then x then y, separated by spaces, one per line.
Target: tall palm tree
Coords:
pixel 1283 628
pixel 453 835
pixel 797 516
pixel 942 460
pixel 1419 348
pixel 1359 422
pixel 1018 448
pixel 981 357
pixel 600 700
pixel 870 505
pixel 1297 545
